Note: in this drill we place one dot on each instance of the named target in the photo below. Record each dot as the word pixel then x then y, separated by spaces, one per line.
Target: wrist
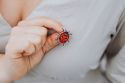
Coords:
pixel 4 76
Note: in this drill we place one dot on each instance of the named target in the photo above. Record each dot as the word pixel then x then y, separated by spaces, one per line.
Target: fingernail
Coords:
pixel 56 38
pixel 56 35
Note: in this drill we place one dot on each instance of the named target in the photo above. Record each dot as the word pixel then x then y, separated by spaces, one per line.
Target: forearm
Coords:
pixel 4 78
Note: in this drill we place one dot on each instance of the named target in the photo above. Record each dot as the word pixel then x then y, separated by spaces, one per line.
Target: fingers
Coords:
pixel 51 42
pixel 36 35
pixel 33 30
pixel 25 40
pixel 43 22
pixel 16 49
pixel 29 49
pixel 33 34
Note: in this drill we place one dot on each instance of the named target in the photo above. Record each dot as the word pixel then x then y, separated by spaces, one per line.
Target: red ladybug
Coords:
pixel 64 37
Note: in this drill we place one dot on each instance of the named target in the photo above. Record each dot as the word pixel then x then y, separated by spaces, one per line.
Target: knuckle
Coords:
pixel 50 42
pixel 43 31
pixel 37 40
pixel 15 29
pixel 29 48
pixel 27 45
pixel 21 23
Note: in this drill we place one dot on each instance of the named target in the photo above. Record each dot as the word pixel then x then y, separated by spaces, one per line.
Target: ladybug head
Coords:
pixel 66 32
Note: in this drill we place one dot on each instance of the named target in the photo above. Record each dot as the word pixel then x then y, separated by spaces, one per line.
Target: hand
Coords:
pixel 27 45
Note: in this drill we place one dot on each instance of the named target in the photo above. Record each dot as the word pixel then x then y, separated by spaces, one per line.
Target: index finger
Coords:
pixel 43 22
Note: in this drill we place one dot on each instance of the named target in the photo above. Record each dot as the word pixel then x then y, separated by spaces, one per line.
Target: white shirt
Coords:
pixel 5 30
pixel 91 22
pixel 115 69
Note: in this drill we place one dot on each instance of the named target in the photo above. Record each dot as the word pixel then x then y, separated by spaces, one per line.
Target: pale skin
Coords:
pixel 28 41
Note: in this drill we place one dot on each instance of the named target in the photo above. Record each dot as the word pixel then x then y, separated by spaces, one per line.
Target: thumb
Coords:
pixel 51 42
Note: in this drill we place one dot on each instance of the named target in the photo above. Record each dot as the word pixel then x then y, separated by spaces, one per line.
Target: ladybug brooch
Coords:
pixel 64 37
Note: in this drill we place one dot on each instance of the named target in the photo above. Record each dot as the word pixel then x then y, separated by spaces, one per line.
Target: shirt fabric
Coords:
pixel 116 67
pixel 5 30
pixel 91 23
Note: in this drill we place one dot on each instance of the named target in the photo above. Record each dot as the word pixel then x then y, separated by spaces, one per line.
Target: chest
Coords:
pixel 90 23
pixel 10 13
